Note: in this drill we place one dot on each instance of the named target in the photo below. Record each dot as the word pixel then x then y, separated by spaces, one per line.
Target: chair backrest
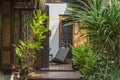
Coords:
pixel 61 55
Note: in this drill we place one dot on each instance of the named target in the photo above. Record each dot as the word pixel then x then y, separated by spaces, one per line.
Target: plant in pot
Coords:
pixel 27 51
pixel 101 20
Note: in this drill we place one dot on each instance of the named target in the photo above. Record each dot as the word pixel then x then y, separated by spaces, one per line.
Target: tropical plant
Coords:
pixel 101 20
pixel 111 71
pixel 26 51
pixel 84 59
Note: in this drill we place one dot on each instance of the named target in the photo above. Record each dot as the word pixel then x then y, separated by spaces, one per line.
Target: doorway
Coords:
pixel 65 34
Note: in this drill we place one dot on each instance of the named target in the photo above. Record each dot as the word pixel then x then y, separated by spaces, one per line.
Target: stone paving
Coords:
pixel 4 77
pixel 1 76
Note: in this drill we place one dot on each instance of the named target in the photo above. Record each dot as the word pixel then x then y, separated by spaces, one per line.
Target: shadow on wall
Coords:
pixel 54 40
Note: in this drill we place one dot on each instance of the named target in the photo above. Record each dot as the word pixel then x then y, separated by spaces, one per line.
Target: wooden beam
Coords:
pixel 24 5
pixel 59 1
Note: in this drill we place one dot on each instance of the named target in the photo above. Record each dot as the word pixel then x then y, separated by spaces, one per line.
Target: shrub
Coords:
pixel 84 59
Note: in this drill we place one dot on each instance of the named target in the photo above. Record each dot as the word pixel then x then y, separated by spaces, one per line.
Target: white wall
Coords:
pixel 55 9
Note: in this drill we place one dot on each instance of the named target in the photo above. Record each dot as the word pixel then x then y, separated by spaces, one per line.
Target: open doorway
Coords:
pixel 65 35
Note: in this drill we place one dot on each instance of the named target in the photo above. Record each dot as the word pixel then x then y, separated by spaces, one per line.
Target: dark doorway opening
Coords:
pixel 65 35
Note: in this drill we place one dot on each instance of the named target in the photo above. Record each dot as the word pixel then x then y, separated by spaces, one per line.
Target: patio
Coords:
pixel 55 72
pixel 33 31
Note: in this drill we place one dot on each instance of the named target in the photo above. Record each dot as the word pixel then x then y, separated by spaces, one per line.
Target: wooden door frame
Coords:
pixel 45 51
pixel 60 28
pixel 0 30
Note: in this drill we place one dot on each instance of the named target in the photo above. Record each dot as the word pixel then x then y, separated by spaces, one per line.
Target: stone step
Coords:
pixel 53 75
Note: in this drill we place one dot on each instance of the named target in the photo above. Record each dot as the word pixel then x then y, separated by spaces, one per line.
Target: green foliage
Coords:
pixel 101 20
pixel 18 51
pixel 93 66
pixel 106 70
pixel 37 25
pixel 38 29
pixel 26 50
pixel 84 59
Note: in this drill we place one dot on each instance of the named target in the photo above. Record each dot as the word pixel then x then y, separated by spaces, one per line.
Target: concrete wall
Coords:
pixel 55 9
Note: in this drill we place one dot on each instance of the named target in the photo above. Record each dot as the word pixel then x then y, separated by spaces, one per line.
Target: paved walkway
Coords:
pixel 5 77
pixel 1 75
